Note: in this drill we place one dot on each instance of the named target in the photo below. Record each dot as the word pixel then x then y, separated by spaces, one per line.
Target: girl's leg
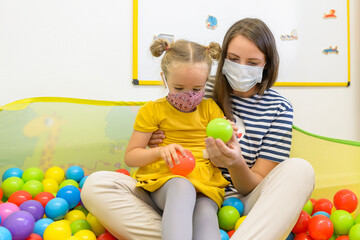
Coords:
pixel 177 200
pixel 206 225
pixel 125 211
pixel 273 207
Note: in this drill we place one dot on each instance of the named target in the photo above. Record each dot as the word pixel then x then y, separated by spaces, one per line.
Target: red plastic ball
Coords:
pixel 124 171
pixel 344 237
pixel 106 236
pixel 345 200
pixel 312 200
pixel 44 197
pixel 19 197
pixel 230 233
pixel 320 227
pixel 302 223
pixel 1 193
pixel 303 236
pixel 34 236
pixel 186 165
pixel 323 204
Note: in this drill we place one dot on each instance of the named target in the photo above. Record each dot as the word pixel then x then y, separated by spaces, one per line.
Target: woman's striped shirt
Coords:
pixel 268 123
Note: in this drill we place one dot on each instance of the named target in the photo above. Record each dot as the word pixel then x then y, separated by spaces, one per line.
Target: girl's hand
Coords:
pixel 156 138
pixel 222 155
pixel 169 152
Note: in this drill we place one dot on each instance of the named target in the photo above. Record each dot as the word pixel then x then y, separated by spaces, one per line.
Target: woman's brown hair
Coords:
pixel 256 31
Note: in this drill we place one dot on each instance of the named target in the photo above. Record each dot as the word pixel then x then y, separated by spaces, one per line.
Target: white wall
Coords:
pixel 83 49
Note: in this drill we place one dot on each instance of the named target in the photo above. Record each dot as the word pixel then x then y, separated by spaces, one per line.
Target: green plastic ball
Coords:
pixel 357 219
pixel 219 128
pixel 227 216
pixel 78 225
pixel 354 233
pixel 308 207
pixel 81 208
pixel 69 182
pixel 33 173
pixel 34 187
pixel 11 185
pixel 342 221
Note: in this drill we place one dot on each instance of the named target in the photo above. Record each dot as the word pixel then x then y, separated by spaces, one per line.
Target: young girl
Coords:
pixel 190 203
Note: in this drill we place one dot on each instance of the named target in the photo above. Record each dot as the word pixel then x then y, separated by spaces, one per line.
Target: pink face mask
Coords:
pixel 185 101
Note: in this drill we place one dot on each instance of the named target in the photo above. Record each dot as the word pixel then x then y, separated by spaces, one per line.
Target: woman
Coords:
pixel 273 187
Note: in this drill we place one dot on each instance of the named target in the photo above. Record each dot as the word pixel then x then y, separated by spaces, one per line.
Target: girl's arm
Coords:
pixel 137 155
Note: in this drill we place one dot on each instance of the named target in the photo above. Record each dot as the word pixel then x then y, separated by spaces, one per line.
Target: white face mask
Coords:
pixel 242 77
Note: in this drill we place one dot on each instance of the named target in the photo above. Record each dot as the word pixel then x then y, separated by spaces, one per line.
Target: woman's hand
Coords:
pixel 168 153
pixel 156 138
pixel 224 155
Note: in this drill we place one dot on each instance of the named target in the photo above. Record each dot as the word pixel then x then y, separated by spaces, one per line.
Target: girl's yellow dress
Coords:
pixel 188 130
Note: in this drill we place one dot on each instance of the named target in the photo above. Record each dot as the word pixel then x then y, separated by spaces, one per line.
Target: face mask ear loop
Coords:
pixel 164 80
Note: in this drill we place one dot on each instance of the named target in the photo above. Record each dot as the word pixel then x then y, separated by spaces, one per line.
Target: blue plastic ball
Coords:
pixel 5 233
pixel 41 225
pixel 71 194
pixel 56 208
pixel 224 235
pixel 81 184
pixel 74 172
pixel 321 213
pixel 236 203
pixel 12 172
pixel 291 236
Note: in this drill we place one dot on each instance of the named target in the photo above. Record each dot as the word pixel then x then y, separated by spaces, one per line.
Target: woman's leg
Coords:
pixel 126 211
pixel 273 207
pixel 206 224
pixel 177 200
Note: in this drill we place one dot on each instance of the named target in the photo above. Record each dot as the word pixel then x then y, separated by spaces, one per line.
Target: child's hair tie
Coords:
pixel 167 48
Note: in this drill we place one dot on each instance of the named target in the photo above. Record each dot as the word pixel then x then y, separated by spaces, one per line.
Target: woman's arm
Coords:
pixel 229 156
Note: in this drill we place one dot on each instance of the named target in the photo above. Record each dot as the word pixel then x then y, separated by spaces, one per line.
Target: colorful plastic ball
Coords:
pixel 333 237
pixel 44 198
pixel 186 165
pixel 57 231
pixel 224 235
pixel 11 185
pixel 20 224
pixel 227 217
pixel 85 235
pixel 323 204
pixel 322 213
pixel 56 208
pixel 344 237
pixel 123 171
pixel 55 173
pixel 82 181
pixel 239 222
pixel 320 227
pixel 35 208
pixel 303 236
pixel 5 234
pixel 1 193
pixel 50 185
pixel 230 233
pixel 308 207
pixel 81 208
pixel 12 172
pixel 34 236
pixel 19 197
pixel 33 173
pixel 302 223
pixel 342 221
pixel 234 202
pixel 68 182
pixel 33 187
pixel 78 225
pixel 345 199
pixel 108 236
pixel 74 172
pixel 7 209
pixel 357 219
pixel 220 128
pixel 354 233
pixel 75 215
pixel 41 225
pixel 291 236
pixel 71 194
pixel 96 226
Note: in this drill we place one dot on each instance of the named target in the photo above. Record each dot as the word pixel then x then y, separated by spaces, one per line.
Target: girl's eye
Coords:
pixel 178 89
pixel 196 89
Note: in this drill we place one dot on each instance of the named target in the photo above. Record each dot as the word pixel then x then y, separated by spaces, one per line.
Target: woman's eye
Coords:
pixel 253 63
pixel 234 59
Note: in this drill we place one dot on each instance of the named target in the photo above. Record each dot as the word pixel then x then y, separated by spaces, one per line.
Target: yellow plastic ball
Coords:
pixel 55 173
pixel 75 215
pixel 85 235
pixel 50 185
pixel 96 226
pixel 58 230
pixel 74 238
pixel 239 222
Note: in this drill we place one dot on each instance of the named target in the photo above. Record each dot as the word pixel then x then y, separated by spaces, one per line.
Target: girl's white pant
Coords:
pixel 272 208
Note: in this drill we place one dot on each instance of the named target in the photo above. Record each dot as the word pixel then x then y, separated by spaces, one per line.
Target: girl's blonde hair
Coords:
pixel 183 51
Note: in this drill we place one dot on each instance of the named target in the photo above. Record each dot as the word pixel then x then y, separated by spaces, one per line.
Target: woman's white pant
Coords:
pixel 272 208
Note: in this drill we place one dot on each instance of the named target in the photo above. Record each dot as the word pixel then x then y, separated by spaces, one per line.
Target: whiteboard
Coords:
pixel 313 42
